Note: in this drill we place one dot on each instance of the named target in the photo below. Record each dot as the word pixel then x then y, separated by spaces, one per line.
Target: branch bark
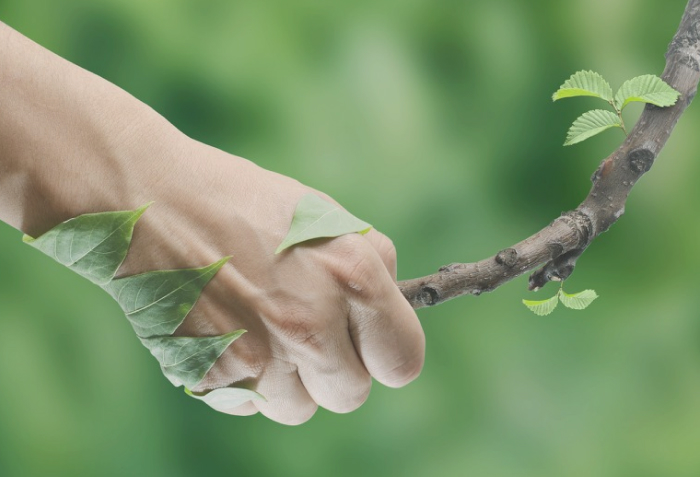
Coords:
pixel 559 245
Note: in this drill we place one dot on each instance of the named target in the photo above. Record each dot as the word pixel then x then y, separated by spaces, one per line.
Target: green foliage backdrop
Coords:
pixel 432 120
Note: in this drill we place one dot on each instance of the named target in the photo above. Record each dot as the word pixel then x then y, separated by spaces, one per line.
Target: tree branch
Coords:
pixel 562 242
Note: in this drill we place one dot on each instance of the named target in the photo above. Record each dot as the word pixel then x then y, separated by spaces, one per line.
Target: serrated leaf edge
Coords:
pixel 574 138
pixel 621 102
pixel 536 305
pixel 565 299
pixel 569 85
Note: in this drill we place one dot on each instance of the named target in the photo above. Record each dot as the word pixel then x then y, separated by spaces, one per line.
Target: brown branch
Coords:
pixel 559 245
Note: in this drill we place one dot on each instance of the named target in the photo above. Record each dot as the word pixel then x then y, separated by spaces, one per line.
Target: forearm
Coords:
pixel 69 140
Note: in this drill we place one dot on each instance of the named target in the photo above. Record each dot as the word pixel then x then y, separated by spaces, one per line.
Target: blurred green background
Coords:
pixel 431 119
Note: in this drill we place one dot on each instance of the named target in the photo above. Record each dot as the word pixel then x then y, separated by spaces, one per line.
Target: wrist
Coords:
pixel 70 142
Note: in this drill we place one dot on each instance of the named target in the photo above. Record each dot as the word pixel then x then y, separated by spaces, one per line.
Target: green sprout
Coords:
pixel 643 89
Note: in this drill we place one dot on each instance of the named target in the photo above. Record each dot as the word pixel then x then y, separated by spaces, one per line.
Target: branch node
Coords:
pixel 685 44
pixel 562 273
pixel 641 160
pixel 428 296
pixel 556 270
pixel 507 257
pixel 537 280
pixel 583 225
pixel 603 170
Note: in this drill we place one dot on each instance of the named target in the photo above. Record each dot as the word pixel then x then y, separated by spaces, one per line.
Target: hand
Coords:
pixel 322 317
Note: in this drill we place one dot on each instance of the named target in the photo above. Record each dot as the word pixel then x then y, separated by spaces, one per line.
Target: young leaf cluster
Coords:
pixel 575 301
pixel 644 89
pixel 155 302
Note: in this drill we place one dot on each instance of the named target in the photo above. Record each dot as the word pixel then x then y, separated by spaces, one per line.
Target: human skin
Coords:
pixel 323 318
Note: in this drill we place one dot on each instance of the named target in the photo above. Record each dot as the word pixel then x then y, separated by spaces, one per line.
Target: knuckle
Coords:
pixel 386 250
pixel 353 266
pixel 386 247
pixel 301 328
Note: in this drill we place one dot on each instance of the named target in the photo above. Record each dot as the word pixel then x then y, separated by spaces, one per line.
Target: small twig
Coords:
pixel 559 245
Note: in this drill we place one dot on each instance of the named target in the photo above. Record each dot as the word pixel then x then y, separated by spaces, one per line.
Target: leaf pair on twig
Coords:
pixel 644 89
pixel 575 301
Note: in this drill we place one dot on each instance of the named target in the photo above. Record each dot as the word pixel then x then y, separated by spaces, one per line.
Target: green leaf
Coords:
pixel 92 245
pixel 646 89
pixel 157 302
pixel 186 360
pixel 226 399
pixel 544 307
pixel 591 123
pixel 577 301
pixel 315 218
pixel 585 83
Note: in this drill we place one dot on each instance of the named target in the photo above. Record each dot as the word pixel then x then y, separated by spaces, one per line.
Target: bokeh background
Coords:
pixel 432 120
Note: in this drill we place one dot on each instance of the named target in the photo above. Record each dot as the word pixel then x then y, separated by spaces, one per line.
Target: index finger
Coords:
pixel 383 326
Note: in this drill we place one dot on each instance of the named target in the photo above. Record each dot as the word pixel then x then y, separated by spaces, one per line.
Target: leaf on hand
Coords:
pixel 226 399
pixel 577 301
pixel 157 302
pixel 591 123
pixel 92 245
pixel 186 360
pixel 316 218
pixel 585 83
pixel 544 307
pixel 646 89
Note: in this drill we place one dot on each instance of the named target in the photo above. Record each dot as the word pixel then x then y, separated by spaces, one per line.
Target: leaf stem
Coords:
pixel 619 115
pixel 622 123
